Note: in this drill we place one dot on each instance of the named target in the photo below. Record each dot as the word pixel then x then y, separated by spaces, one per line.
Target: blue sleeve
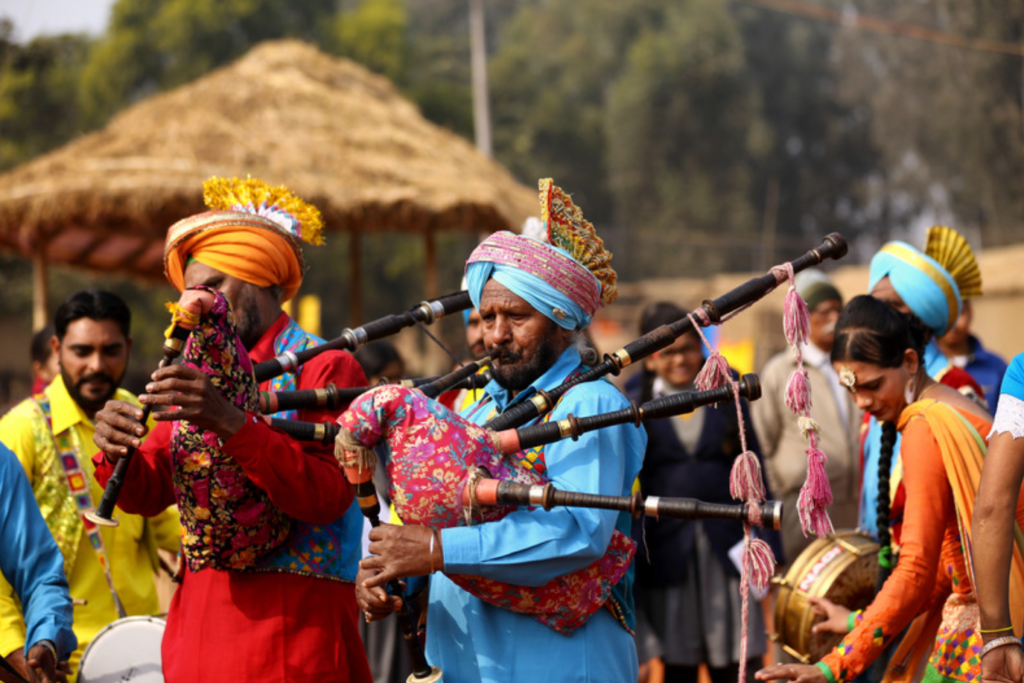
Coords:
pixel 532 547
pixel 1013 380
pixel 31 561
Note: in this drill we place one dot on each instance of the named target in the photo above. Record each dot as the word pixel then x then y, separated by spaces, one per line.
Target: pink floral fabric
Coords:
pixel 432 450
pixel 228 522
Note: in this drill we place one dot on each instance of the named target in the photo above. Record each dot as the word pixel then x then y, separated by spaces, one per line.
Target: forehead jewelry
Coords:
pixel 847 378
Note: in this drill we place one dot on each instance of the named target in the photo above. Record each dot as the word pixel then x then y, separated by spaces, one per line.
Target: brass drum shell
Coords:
pixel 842 568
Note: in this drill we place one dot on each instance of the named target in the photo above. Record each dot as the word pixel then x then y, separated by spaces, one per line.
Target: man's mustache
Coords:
pixel 95 377
pixel 501 354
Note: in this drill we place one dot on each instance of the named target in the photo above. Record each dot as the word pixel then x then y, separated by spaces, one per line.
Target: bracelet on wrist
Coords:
pixel 853 619
pixel 989 631
pixel 1002 641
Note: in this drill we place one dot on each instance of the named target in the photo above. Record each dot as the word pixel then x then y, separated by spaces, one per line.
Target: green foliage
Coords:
pixel 374 35
pixel 38 103
pixel 154 45
pixel 679 118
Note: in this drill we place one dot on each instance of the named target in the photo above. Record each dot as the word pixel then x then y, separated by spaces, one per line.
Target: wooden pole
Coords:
pixel 432 289
pixel 355 269
pixel 478 71
pixel 40 290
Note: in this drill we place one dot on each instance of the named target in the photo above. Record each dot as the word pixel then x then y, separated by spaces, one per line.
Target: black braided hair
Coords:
pixel 872 331
pixel 885 554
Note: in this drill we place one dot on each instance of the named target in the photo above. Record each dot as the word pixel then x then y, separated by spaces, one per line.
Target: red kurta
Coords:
pixel 239 626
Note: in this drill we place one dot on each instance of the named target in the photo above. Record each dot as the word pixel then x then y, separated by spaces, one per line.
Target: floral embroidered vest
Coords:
pixel 329 551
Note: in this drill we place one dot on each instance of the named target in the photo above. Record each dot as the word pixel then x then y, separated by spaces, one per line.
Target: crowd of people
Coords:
pixel 280 577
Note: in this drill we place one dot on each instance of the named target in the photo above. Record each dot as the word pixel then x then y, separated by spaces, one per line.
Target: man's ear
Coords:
pixel 55 346
pixel 128 346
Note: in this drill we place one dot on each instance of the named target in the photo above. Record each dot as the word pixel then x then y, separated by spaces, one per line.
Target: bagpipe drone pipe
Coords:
pixel 709 312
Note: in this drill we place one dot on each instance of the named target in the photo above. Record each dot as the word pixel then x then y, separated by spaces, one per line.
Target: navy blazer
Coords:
pixel 664 545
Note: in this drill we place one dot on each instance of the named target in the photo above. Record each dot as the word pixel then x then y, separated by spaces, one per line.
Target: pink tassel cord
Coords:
pixel 714 374
pixel 796 321
pixel 798 392
pixel 745 482
pixel 816 494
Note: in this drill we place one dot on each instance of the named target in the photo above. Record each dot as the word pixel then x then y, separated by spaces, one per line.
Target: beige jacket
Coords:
pixel 784 448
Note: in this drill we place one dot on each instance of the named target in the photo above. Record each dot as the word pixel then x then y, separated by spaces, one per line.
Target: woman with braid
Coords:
pixel 925 512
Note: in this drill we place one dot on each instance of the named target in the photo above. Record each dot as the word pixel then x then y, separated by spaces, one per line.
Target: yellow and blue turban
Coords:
pixel 924 285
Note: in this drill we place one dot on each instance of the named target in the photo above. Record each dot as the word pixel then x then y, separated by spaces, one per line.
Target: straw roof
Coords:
pixel 336 134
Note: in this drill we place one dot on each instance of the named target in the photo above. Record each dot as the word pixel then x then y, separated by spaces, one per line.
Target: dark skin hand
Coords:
pixel 374 602
pixel 400 551
pixel 396 552
pixel 1003 665
pixel 800 673
pixel 40 665
pixel 188 389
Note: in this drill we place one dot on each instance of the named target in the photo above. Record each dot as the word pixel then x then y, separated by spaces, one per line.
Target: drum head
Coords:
pixel 126 650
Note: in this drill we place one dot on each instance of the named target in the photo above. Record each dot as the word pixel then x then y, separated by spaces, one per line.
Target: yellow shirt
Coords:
pixel 131 548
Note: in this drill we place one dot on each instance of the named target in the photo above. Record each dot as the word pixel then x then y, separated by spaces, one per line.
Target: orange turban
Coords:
pixel 243 245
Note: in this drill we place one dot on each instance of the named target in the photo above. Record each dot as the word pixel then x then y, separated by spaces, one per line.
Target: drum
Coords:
pixel 842 568
pixel 125 650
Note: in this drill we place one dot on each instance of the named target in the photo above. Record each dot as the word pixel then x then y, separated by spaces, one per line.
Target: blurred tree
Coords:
pixel 158 44
pixel 38 100
pixel 374 35
pixel 820 153
pixel 682 126
pixel 948 120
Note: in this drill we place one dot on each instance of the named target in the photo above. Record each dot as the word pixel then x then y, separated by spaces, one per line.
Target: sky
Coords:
pixel 38 17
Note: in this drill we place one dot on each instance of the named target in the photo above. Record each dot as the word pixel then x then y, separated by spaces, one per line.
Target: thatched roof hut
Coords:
pixel 336 134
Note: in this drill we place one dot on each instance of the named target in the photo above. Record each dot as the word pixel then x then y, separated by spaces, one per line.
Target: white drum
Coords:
pixel 125 650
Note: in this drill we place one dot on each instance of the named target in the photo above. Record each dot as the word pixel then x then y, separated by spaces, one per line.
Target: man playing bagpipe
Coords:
pixel 533 297
pixel 271 536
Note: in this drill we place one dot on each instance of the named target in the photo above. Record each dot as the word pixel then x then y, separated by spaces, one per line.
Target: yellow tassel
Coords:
pixel 953 253
pixel 178 315
pixel 226 194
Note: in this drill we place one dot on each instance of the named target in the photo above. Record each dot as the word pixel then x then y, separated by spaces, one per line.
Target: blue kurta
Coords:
pixel 31 561
pixel 473 641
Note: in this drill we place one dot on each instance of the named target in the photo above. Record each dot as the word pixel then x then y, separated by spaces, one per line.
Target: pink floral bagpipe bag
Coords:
pixel 432 450
pixel 228 522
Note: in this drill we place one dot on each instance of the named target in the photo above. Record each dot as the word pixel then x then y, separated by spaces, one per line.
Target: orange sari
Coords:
pixel 931 588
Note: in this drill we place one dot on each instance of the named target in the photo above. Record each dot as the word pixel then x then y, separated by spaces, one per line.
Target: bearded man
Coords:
pixel 52 435
pixel 534 298
pixel 287 613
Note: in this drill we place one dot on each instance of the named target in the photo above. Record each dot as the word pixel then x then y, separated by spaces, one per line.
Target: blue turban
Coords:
pixel 557 306
pixel 925 286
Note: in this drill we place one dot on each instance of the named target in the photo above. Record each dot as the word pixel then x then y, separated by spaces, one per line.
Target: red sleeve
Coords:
pixel 148 484
pixel 912 585
pixel 302 478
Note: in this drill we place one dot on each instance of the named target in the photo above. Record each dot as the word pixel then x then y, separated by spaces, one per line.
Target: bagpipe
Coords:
pixel 189 312
pixel 483 490
pixel 437 457
pixel 709 312
pixel 332 397
pixel 424 313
